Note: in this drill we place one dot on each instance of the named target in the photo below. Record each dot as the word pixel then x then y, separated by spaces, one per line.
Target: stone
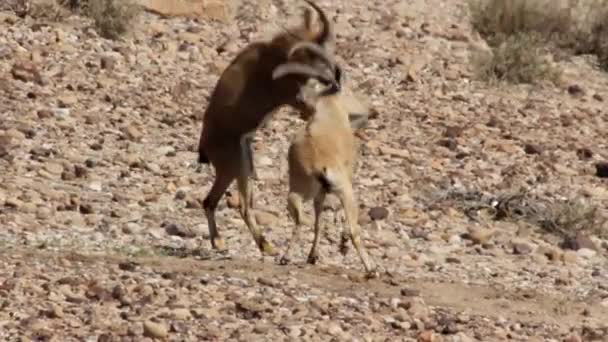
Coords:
pixel 378 213
pixel 601 169
pixel 155 330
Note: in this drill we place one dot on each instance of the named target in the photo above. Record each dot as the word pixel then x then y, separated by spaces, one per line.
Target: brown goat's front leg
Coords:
pixel 313 256
pixel 347 197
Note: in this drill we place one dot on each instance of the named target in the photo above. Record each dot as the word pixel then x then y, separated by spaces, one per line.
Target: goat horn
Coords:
pixel 301 69
pixel 327 34
pixel 314 48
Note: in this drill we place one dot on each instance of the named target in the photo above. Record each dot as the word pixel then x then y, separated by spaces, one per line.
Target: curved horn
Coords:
pixel 314 48
pixel 301 69
pixel 326 36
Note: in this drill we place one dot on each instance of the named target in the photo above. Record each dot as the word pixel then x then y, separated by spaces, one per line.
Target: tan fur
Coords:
pixel 323 153
pixel 244 97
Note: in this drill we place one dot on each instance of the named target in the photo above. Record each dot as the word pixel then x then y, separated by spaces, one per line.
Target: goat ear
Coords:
pixel 357 121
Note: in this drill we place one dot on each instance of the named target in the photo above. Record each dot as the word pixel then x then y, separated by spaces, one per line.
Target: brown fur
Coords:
pixel 244 97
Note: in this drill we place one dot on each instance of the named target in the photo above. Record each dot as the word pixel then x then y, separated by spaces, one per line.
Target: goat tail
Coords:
pixel 322 178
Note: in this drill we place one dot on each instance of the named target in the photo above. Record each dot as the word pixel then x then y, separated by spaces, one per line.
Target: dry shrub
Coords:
pixel 591 35
pixel 519 58
pixel 112 18
pixel 47 10
pixel 567 218
pixel 563 218
pixel 497 19
pixel 517 32
pixel 528 26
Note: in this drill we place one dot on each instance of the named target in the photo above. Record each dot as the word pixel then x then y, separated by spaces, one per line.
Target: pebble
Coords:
pixel 155 330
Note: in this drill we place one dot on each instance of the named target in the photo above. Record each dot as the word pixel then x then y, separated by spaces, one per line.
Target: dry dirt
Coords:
pixel 102 235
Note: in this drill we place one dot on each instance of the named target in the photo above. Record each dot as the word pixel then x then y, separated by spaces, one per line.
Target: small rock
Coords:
pixel 479 235
pixel 586 253
pixel 572 338
pixel 107 62
pixel 181 231
pixel 133 133
pixel 532 149
pixel 265 218
pixel 601 169
pixel 584 153
pixel 5 145
pixel 80 171
pixel 408 292
pixel 427 336
pixel 575 89
pixel 521 248
pixel 54 168
pixel 86 209
pixel 453 132
pixel 67 101
pixel 13 203
pixel 450 144
pixel 193 202
pixel 580 240
pixel 452 260
pixel 60 113
pixel 26 72
pixel 334 329
pixel 569 257
pixel 378 213
pixel 44 114
pixel 181 313
pixel 155 330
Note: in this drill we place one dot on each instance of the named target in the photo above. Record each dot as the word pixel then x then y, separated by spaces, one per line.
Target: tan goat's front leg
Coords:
pixel 246 195
pixel 347 197
pixel 294 206
pixel 313 256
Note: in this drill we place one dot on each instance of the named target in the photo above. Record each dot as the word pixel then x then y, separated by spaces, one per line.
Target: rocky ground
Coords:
pixel 103 237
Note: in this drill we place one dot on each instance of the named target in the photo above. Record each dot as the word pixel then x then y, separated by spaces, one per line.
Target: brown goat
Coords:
pixel 321 161
pixel 244 97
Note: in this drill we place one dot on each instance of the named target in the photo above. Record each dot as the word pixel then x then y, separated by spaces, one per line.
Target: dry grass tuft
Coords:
pixel 519 58
pixel 112 18
pixel 47 10
pixel 517 31
pixel 563 218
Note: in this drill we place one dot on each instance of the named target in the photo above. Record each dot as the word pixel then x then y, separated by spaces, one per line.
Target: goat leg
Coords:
pixel 246 194
pixel 313 256
pixel 346 196
pixel 294 207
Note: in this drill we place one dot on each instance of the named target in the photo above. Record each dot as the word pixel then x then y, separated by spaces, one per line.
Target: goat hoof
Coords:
pixel 218 244
pixel 267 249
pixel 372 274
pixel 284 260
pixel 344 247
pixel 313 259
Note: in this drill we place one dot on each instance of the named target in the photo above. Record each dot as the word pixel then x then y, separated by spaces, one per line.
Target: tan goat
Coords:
pixel 244 97
pixel 321 161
